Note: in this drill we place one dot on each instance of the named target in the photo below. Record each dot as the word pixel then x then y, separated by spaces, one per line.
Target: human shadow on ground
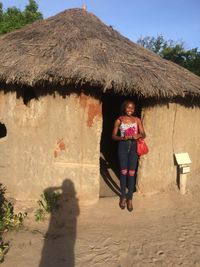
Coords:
pixel 104 166
pixel 114 185
pixel 59 242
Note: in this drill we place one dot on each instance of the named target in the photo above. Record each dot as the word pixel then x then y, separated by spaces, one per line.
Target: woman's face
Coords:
pixel 129 109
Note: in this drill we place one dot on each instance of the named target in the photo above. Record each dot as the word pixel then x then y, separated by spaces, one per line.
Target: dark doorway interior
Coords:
pixel 3 130
pixel 111 104
pixel 28 95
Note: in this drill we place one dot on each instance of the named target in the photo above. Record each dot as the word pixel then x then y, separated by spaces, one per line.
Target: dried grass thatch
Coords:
pixel 76 47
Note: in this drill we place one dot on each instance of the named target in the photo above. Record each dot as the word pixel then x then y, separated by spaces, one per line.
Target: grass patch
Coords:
pixel 8 220
pixel 47 203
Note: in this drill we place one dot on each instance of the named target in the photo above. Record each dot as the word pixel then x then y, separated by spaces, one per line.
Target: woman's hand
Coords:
pixel 136 136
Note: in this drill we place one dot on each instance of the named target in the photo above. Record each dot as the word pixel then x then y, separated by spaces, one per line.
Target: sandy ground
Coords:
pixel 163 230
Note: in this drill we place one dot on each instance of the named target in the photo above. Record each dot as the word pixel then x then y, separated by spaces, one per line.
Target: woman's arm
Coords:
pixel 141 132
pixel 115 131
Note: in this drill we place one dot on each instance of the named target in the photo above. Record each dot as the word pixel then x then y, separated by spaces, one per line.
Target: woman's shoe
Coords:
pixel 122 203
pixel 129 205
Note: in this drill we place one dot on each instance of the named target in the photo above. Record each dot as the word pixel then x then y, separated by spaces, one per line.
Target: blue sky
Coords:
pixel 178 20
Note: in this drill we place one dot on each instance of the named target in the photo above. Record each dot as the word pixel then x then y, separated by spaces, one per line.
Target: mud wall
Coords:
pixel 50 140
pixel 171 128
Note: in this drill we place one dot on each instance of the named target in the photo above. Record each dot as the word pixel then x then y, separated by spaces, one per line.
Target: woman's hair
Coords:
pixel 124 104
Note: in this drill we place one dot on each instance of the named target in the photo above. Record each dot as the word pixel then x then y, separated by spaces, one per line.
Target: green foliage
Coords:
pixel 1 11
pixel 175 52
pixel 47 204
pixel 31 13
pixel 154 44
pixel 13 18
pixel 193 61
pixel 8 220
pixel 4 247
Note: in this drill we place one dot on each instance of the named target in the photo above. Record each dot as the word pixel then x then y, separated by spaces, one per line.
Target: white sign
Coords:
pixel 182 158
pixel 185 169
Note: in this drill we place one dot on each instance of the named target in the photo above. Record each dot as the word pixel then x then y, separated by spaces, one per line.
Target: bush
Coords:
pixel 47 204
pixel 8 220
pixel 3 249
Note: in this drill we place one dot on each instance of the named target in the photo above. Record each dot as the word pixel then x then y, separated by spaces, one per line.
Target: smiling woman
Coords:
pixel 131 129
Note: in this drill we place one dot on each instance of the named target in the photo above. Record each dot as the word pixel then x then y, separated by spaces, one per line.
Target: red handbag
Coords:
pixel 142 147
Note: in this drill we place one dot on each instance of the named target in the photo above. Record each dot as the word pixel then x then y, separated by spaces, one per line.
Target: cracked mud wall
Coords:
pixel 170 128
pixel 51 139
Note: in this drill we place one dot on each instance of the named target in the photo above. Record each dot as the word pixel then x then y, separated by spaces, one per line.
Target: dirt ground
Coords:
pixel 163 230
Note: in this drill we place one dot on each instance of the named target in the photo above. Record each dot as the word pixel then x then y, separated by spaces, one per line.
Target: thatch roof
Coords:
pixel 76 47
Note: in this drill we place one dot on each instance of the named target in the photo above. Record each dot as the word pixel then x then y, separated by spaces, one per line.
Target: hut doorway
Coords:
pixel 3 130
pixel 109 178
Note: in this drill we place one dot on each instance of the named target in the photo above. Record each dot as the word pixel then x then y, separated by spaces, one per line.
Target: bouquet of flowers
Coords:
pixel 130 132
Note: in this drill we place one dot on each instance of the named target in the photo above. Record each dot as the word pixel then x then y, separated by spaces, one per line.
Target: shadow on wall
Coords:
pixel 188 101
pixel 59 243
pixel 28 93
pixel 108 179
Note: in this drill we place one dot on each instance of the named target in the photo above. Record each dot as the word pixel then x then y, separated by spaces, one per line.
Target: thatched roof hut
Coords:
pixel 75 47
pixel 55 79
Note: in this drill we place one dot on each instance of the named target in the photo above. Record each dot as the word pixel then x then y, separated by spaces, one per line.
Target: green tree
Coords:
pixel 13 18
pixel 176 52
pixel 193 61
pixel 154 44
pixel 31 12
pixel 1 11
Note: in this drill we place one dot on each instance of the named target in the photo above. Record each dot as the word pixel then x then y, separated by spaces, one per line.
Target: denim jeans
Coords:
pixel 128 158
